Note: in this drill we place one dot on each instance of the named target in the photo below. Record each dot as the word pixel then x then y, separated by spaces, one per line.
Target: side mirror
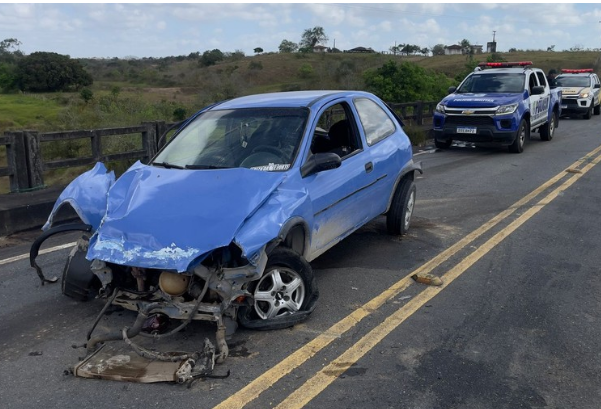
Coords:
pixel 451 90
pixel 538 90
pixel 597 86
pixel 320 162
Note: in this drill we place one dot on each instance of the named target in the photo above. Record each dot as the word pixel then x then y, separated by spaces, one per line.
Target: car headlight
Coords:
pixel 507 109
pixel 584 94
pixel 440 108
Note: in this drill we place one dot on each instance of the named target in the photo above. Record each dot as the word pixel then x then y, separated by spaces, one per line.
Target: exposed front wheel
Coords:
pixel 399 215
pixel 547 130
pixel 79 282
pixel 598 109
pixel 285 294
pixel 523 132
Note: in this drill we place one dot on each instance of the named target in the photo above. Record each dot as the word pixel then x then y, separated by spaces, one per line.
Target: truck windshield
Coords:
pixel 493 83
pixel 572 81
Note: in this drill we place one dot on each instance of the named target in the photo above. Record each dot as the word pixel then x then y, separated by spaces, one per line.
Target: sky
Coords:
pixel 125 30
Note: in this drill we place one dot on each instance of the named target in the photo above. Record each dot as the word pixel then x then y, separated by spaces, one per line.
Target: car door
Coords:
pixel 538 103
pixel 338 196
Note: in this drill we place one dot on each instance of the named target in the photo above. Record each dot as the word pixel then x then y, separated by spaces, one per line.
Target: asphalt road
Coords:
pixel 514 238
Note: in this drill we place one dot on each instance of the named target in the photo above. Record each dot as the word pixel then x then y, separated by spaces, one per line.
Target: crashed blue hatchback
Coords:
pixel 222 223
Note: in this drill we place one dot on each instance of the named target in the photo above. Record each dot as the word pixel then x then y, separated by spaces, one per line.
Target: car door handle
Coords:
pixel 369 167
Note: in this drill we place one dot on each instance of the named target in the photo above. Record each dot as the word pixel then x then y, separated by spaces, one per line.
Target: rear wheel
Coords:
pixel 520 138
pixel 398 217
pixel 547 130
pixel 285 294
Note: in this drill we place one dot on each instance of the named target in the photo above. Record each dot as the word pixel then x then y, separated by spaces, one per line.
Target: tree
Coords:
pixel 312 37
pixel 211 57
pixel 49 72
pixel 406 82
pixel 258 50
pixel 438 49
pixel 86 94
pixel 287 46
pixel 551 48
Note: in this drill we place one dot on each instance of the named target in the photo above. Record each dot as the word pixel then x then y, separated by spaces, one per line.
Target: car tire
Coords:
pixel 78 281
pixel 520 138
pixel 548 129
pixel 276 305
pixel 443 144
pixel 598 109
pixel 589 113
pixel 398 218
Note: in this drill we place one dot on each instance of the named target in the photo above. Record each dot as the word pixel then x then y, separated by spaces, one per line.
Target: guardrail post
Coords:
pixel 35 163
pixel 20 180
pixel 419 113
pixel 149 139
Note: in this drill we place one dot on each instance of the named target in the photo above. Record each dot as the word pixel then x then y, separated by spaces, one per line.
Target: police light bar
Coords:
pixel 577 71
pixel 505 64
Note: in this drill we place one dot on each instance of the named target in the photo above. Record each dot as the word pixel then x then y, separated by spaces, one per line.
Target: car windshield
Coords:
pixel 572 81
pixel 493 83
pixel 258 138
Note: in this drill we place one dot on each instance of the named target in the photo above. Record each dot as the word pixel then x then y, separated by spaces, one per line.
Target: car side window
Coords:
pixel 335 132
pixel 542 80
pixel 375 121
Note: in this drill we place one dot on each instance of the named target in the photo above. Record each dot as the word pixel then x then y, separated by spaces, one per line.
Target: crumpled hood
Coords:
pixel 480 100
pixel 167 218
pixel 573 90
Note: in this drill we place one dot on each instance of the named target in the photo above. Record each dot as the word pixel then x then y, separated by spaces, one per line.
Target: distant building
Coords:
pixel 491 47
pixel 320 49
pixel 457 49
pixel 453 50
pixel 360 50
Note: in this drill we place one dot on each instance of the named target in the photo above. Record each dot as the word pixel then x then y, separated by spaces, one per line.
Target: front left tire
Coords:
pixel 285 294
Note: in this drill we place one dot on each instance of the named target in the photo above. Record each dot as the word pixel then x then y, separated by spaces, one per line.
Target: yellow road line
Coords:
pixel 304 353
pixel 301 396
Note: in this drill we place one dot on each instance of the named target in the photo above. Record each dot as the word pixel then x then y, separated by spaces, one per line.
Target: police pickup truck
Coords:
pixel 580 92
pixel 498 103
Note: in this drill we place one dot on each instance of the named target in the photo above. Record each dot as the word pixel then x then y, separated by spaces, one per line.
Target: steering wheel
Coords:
pixel 268 149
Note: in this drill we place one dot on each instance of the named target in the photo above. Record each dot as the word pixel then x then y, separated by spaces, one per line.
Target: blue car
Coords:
pixel 222 223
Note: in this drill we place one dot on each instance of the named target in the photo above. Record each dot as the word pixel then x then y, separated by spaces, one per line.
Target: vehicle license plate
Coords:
pixel 466 130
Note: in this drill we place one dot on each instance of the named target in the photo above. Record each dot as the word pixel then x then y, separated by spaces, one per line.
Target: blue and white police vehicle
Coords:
pixel 498 103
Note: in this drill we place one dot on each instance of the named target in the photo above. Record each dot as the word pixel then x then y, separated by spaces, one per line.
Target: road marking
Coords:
pixel 304 353
pixel 45 251
pixel 320 381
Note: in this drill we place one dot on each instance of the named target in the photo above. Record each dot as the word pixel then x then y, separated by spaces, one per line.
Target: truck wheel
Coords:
pixel 442 144
pixel 589 113
pixel 598 109
pixel 548 129
pixel 398 217
pixel 520 138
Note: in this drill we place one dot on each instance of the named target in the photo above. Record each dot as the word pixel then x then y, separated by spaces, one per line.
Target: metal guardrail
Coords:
pixel 26 164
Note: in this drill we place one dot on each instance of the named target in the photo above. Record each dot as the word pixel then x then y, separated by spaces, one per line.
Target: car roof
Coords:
pixel 292 99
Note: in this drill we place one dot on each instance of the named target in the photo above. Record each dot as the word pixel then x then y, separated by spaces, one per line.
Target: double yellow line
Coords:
pixel 321 380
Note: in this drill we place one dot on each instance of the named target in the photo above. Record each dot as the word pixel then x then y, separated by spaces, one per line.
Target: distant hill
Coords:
pixel 242 75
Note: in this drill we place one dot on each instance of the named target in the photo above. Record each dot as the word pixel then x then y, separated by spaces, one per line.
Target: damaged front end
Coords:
pixel 128 256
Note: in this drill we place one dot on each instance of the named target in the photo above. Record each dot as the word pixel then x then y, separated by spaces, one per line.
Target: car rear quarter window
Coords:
pixel 376 123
